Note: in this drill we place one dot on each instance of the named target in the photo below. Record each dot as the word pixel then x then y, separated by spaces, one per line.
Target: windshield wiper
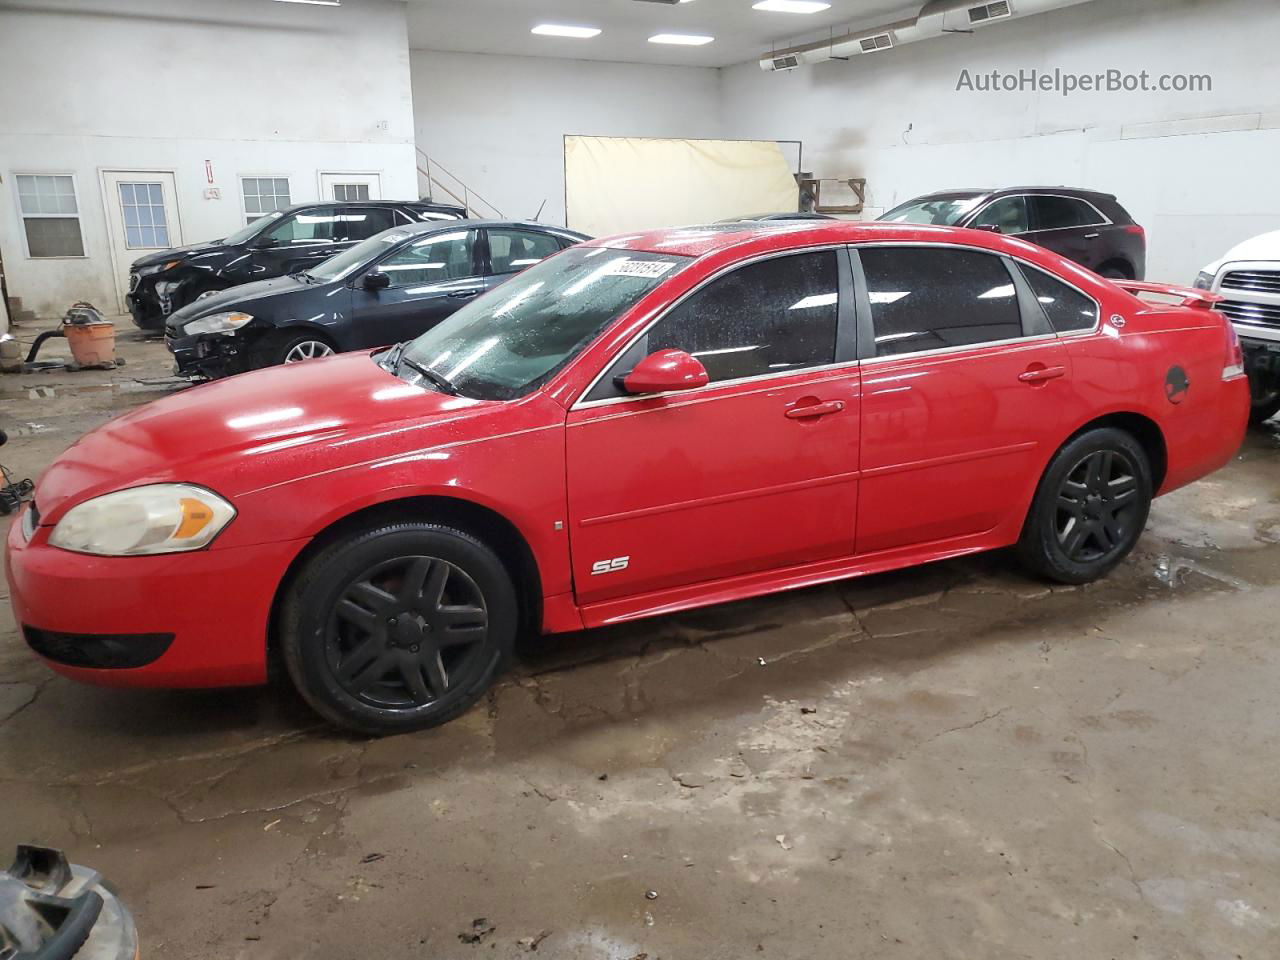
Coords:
pixel 439 380
pixel 302 275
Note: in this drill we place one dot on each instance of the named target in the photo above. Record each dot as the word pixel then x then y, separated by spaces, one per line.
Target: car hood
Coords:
pixel 241 297
pixel 233 435
pixel 177 253
pixel 1264 247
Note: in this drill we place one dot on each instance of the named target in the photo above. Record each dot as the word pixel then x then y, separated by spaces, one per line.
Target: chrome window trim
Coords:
pixel 579 403
pixel 1104 222
pixel 1038 338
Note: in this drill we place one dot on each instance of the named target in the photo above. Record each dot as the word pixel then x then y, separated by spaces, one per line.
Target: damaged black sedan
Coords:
pixel 282 242
pixel 386 289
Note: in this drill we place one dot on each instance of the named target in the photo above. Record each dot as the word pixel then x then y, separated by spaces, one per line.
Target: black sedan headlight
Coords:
pixel 217 323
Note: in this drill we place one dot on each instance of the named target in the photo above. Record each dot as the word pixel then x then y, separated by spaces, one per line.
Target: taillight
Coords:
pixel 1234 361
pixel 1137 230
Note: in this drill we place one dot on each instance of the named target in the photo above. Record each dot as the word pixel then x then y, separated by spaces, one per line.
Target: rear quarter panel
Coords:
pixel 1165 364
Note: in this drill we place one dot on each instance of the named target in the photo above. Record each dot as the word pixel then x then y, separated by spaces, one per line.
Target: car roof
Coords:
pixel 1005 191
pixel 430 226
pixel 698 241
pixel 311 205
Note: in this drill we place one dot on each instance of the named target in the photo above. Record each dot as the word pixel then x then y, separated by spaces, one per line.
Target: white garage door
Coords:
pixel 621 184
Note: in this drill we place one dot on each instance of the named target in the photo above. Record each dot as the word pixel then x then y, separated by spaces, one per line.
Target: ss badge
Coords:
pixel 609 566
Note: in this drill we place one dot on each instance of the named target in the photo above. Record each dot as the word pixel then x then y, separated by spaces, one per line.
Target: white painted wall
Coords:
pixel 498 122
pixel 1198 192
pixel 257 88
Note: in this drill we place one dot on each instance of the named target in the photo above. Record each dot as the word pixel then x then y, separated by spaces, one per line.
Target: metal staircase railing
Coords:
pixel 455 189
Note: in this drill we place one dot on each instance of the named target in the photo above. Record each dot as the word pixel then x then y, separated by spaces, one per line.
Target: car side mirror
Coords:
pixel 376 280
pixel 264 242
pixel 666 370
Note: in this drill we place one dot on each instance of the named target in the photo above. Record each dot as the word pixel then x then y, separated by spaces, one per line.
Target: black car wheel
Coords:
pixel 1264 407
pixel 290 346
pixel 398 628
pixel 1090 508
pixel 1114 273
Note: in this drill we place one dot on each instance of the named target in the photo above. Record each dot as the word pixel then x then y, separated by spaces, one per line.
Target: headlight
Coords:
pixel 1204 281
pixel 160 518
pixel 218 323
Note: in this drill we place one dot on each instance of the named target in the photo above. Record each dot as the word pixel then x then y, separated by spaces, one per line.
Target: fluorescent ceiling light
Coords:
pixel 563 30
pixel 791 6
pixel 318 3
pixel 687 39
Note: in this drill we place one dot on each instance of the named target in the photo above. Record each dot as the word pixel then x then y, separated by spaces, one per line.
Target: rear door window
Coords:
pixel 511 251
pixel 1061 213
pixel 361 223
pixel 933 298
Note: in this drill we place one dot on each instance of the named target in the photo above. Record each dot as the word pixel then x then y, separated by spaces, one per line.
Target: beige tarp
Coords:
pixel 623 184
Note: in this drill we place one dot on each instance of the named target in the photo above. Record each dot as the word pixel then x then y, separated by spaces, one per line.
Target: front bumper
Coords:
pixel 207 355
pixel 211 607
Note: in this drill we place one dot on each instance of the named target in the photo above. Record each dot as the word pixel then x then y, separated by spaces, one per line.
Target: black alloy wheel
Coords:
pixel 398 627
pixel 405 631
pixel 1090 507
pixel 1097 506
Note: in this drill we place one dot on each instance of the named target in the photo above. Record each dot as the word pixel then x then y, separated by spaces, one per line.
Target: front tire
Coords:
pixel 291 347
pixel 1090 508
pixel 399 628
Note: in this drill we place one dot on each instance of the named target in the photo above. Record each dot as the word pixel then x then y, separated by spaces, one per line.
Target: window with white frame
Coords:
pixel 263 195
pixel 50 215
pixel 349 192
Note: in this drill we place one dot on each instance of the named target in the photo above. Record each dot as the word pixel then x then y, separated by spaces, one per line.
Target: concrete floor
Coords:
pixel 954 761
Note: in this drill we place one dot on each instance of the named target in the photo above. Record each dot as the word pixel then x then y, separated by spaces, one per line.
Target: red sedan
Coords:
pixel 638 425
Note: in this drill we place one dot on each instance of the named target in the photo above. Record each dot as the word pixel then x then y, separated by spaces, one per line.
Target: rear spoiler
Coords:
pixel 1190 296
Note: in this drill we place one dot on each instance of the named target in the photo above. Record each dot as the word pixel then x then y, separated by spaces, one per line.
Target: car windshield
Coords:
pixel 938 211
pixel 516 336
pixel 339 265
pixel 253 229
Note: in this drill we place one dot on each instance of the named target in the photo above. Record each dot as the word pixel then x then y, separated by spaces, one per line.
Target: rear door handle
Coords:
pixel 1040 374
pixel 1091 236
pixel 815 410
pixel 461 294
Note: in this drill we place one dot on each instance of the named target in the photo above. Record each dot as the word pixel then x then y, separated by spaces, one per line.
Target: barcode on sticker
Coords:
pixel 649 269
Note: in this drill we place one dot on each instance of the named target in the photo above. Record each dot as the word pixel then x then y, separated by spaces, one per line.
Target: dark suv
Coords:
pixel 1086 226
pixel 277 244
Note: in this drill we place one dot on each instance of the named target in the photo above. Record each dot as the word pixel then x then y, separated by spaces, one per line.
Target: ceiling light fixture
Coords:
pixel 682 39
pixel 563 30
pixel 318 3
pixel 791 6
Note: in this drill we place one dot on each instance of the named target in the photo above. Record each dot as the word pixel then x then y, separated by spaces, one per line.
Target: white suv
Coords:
pixel 1249 278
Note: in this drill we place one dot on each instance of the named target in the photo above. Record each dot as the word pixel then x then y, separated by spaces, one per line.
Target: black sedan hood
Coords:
pixel 177 253
pixel 242 297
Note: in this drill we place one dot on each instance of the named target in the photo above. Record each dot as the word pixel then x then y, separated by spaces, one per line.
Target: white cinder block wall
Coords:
pixel 1198 170
pixel 498 122
pixel 256 88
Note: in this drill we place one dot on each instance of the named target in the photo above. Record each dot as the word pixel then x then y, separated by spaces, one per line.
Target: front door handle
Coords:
pixel 815 410
pixel 1040 374
pixel 462 294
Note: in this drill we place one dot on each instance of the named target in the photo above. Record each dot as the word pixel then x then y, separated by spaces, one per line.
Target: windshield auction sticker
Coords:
pixel 649 269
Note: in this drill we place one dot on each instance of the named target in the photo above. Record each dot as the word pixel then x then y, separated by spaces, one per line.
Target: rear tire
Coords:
pixel 1090 508
pixel 1264 410
pixel 1113 272
pixel 399 628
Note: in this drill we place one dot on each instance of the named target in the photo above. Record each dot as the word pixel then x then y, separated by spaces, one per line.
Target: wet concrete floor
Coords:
pixel 954 761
